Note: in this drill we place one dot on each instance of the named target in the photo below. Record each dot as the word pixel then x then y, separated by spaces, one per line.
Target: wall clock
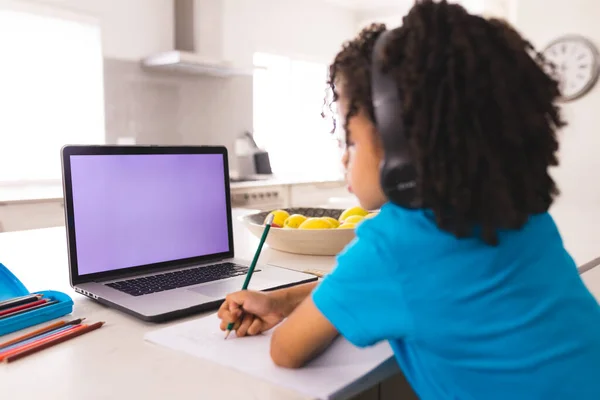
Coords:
pixel 577 65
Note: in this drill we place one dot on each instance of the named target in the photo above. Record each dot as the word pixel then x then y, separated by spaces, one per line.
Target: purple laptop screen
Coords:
pixel 133 210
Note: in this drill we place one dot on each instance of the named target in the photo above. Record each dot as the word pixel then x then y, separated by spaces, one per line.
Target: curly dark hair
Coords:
pixel 479 113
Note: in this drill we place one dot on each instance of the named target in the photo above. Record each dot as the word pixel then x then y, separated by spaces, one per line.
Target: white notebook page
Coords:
pixel 335 369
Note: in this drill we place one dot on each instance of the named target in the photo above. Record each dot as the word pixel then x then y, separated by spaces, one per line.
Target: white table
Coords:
pixel 115 362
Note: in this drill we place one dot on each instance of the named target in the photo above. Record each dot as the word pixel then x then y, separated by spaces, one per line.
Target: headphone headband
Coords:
pixel 398 174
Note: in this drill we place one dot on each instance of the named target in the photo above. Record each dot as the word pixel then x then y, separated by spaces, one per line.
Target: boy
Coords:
pixel 473 289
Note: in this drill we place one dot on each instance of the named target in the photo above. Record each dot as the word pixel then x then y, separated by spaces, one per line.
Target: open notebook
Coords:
pixel 340 366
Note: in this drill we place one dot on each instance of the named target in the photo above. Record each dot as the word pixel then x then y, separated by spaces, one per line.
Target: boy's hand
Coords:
pixel 251 312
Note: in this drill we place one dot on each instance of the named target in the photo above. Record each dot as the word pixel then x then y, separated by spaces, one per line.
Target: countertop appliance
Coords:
pixel 250 159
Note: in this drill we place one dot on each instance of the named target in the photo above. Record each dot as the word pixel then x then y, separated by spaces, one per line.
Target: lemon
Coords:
pixel 354 219
pixel 315 223
pixel 332 221
pixel 347 225
pixel 294 221
pixel 353 211
pixel 371 215
pixel 279 218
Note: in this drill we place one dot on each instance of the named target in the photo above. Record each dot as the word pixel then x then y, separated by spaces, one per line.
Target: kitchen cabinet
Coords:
pixel 31 215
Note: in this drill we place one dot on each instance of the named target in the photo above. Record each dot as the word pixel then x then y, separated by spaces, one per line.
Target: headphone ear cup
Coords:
pixel 398 182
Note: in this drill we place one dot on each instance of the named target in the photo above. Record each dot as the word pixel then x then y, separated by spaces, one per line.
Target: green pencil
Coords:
pixel 268 224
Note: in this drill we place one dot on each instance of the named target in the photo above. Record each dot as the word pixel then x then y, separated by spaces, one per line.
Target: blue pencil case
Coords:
pixel 11 287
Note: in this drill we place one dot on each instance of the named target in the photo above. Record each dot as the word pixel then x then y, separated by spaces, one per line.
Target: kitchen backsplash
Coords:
pixel 169 108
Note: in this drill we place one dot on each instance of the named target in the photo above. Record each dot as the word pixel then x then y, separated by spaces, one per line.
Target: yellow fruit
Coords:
pixel 353 211
pixel 347 225
pixel 354 219
pixel 315 223
pixel 279 218
pixel 371 215
pixel 294 221
pixel 332 221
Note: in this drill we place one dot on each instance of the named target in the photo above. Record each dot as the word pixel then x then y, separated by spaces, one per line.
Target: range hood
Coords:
pixel 198 44
pixel 191 63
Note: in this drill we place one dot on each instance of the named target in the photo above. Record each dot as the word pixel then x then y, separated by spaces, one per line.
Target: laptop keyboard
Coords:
pixel 179 279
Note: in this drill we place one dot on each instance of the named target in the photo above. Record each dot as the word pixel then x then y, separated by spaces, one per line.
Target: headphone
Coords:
pixel 398 174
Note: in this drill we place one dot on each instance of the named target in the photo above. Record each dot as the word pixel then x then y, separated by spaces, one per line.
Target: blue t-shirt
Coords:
pixel 467 320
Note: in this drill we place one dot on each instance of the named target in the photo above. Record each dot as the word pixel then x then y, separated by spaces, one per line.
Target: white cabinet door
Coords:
pixel 17 217
pixel 318 194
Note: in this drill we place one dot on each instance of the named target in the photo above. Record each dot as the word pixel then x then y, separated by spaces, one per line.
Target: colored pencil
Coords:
pixel 48 303
pixel 17 301
pixel 32 334
pixel 15 347
pixel 81 330
pixel 22 307
pixel 44 339
pixel 53 328
pixel 268 224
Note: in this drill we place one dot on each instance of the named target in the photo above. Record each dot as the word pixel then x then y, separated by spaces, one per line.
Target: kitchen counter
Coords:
pixel 39 206
pixel 286 182
pixel 23 194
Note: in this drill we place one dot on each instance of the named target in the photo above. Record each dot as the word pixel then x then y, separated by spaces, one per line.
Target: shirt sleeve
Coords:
pixel 363 296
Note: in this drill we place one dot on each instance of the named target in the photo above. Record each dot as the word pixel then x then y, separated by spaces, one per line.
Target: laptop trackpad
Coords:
pixel 219 290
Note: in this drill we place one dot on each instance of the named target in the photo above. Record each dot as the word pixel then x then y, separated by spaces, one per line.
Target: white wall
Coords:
pixel 578 175
pixel 131 29
pixel 577 211
pixel 390 16
pixel 200 111
pixel 309 29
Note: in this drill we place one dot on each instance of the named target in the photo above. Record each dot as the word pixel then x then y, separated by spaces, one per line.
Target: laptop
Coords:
pixel 149 230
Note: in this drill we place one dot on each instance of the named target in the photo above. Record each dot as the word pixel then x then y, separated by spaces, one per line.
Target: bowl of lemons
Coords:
pixel 308 231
